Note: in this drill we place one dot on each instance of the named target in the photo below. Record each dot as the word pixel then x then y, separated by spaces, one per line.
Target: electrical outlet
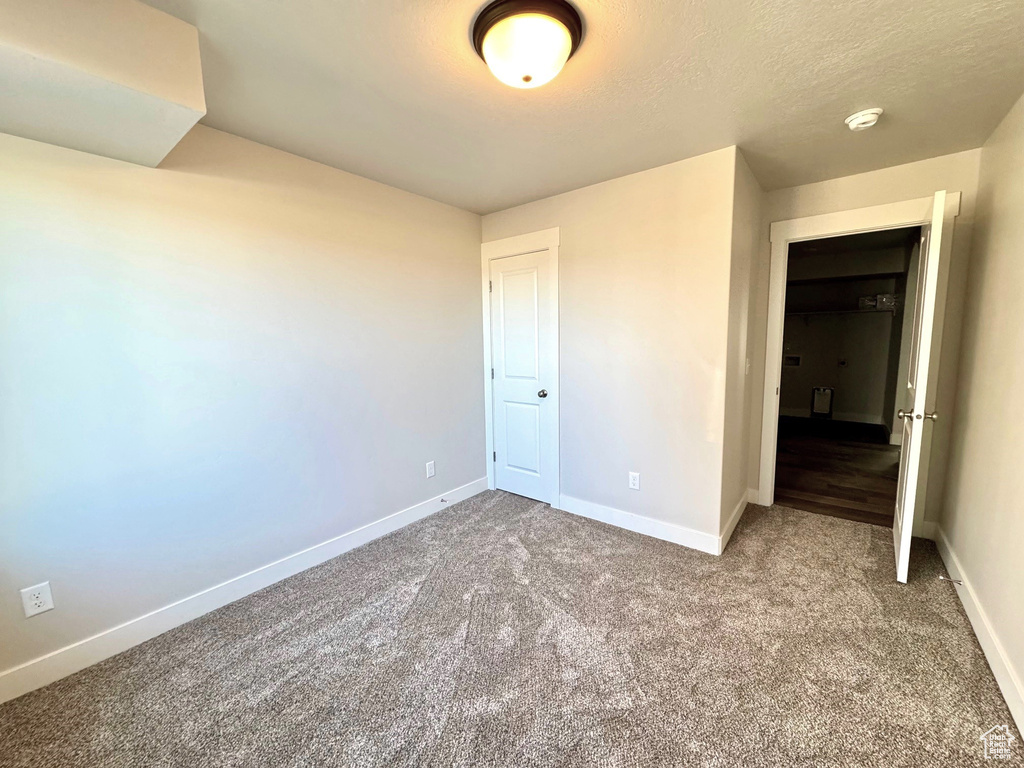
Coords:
pixel 430 469
pixel 634 481
pixel 37 599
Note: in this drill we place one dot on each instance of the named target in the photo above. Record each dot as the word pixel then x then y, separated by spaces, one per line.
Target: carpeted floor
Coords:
pixel 503 633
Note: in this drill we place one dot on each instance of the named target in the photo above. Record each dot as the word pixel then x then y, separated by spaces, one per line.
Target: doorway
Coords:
pixel 520 302
pixel 915 397
pixel 849 311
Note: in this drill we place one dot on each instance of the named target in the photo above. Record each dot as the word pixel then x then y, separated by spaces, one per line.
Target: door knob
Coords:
pixel 933 416
pixel 542 393
pixel 905 414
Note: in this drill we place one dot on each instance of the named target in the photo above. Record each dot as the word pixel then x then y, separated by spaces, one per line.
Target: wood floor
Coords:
pixel 837 468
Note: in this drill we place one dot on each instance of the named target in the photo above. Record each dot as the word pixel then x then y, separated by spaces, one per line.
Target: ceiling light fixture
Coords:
pixel 525 43
pixel 861 121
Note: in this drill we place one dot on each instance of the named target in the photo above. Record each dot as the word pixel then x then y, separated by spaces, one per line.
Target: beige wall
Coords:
pixel 215 364
pixel 746 225
pixel 644 267
pixel 121 41
pixel 861 387
pixel 955 173
pixel 983 516
pixel 112 77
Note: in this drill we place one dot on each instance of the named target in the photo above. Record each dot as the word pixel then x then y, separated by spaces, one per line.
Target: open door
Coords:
pixel 912 412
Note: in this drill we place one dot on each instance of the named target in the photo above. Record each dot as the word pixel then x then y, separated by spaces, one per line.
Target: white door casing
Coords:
pixel 521 364
pixel 915 398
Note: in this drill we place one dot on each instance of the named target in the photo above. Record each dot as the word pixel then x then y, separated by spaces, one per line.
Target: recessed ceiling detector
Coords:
pixel 525 43
pixel 861 121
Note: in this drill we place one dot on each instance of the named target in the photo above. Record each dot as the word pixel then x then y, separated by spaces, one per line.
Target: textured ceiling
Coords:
pixel 392 89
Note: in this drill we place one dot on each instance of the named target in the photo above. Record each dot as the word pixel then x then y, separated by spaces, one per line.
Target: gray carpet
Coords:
pixel 502 633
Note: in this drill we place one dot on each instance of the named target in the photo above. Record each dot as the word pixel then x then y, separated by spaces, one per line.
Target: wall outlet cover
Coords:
pixel 37 599
pixel 430 469
pixel 634 481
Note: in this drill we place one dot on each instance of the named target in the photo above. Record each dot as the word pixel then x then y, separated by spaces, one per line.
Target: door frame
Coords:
pixel 533 242
pixel 908 213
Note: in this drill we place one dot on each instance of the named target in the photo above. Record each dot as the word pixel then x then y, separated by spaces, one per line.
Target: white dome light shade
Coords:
pixel 525 43
pixel 527 50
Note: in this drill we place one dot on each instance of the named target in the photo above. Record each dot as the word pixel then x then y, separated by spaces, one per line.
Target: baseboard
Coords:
pixel 730 524
pixel 1002 668
pixel 677 534
pixel 60 663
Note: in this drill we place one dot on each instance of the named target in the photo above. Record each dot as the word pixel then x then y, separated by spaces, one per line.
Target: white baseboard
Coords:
pixel 730 524
pixel 1002 668
pixel 677 534
pixel 60 663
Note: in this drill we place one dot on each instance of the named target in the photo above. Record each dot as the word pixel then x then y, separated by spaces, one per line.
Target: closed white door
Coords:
pixel 524 356
pixel 915 398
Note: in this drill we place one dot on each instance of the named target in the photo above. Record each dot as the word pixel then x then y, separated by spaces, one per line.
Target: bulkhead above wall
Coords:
pixel 111 77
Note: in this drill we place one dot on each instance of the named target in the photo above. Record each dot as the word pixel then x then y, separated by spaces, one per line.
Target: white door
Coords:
pixel 913 413
pixel 524 359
